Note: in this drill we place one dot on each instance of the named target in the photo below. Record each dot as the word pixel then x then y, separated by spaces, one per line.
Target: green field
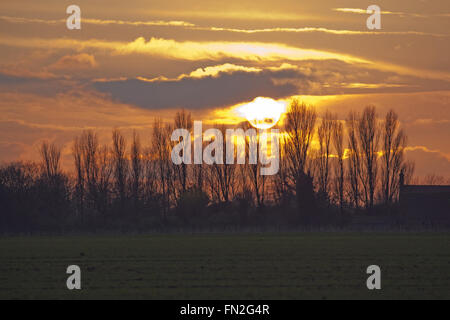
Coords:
pixel 269 266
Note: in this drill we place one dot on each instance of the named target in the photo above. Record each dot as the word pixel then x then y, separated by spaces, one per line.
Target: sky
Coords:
pixel 135 60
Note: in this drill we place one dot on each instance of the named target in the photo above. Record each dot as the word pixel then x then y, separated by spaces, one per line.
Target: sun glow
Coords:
pixel 262 113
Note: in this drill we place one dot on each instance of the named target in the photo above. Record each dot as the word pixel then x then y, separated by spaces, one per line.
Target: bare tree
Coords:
pixel 150 172
pixel 183 120
pixel 435 180
pixel 299 127
pixel 223 176
pixel 200 172
pixel 92 172
pixel 120 165
pixel 394 143
pixel 408 172
pixel 89 152
pixel 339 169
pixel 104 178
pixel 282 188
pixel 51 156
pixel 53 190
pixel 324 133
pixel 79 171
pixel 136 168
pixel 354 161
pixel 160 150
pixel 369 137
pixel 257 182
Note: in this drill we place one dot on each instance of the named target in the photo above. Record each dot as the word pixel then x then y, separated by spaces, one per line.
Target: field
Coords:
pixel 254 266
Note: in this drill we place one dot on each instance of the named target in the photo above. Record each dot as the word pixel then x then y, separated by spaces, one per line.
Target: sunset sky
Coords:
pixel 134 60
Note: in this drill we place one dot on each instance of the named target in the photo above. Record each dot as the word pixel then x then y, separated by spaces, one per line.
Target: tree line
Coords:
pixel 330 170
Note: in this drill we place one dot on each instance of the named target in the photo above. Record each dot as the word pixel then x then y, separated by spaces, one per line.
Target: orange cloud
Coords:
pixel 187 50
pixel 72 62
pixel 101 22
pixel 320 30
pixel 192 26
pixel 427 150
pixel 362 11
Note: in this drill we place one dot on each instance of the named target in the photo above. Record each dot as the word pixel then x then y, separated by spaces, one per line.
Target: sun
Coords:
pixel 262 113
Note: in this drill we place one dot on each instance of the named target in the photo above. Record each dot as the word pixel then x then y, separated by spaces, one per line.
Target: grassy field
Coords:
pixel 273 266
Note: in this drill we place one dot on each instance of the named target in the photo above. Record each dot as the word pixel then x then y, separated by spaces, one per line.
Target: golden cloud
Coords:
pixel 79 61
pixel 187 50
